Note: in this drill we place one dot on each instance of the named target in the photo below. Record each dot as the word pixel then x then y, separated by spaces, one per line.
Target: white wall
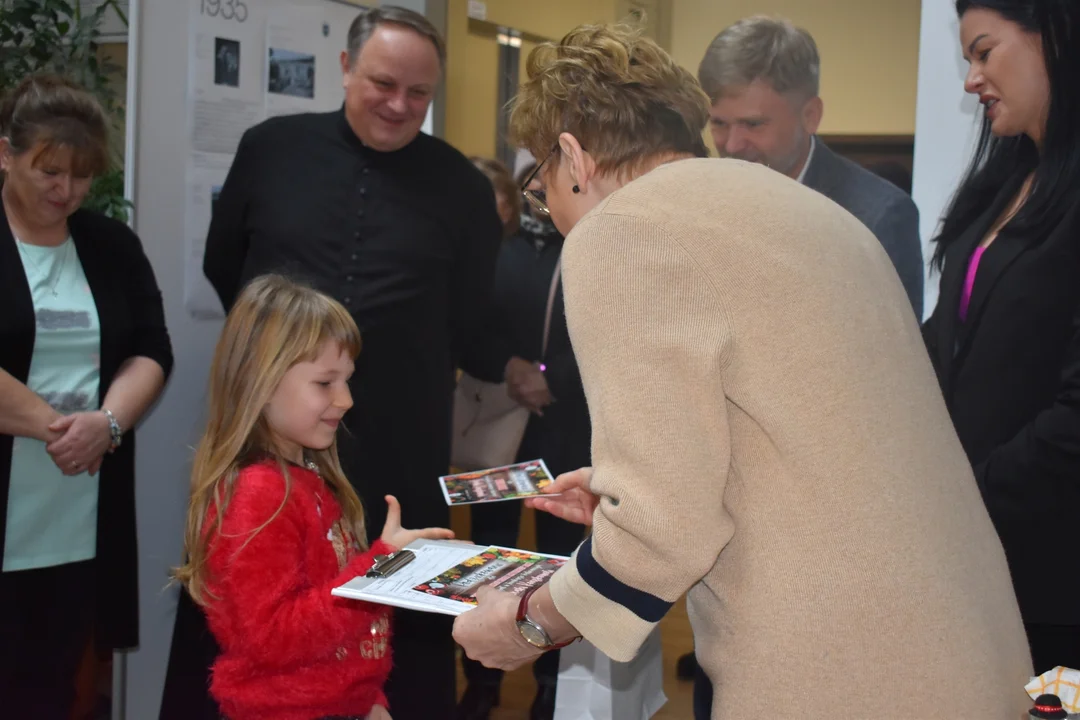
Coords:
pixel 166 438
pixel 946 124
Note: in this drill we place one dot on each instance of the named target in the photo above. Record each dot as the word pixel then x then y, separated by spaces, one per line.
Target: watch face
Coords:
pixel 533 635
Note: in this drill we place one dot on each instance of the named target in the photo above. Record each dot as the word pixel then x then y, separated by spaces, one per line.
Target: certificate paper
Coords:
pixel 445 577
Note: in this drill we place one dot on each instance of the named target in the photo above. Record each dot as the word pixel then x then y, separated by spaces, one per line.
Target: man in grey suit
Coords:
pixel 762 75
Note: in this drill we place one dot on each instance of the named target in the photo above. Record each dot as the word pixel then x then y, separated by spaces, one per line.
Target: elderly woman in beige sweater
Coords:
pixel 768 434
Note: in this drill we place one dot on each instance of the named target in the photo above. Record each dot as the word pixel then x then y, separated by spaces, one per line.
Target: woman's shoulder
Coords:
pixel 94 221
pixel 91 228
pixel 699 189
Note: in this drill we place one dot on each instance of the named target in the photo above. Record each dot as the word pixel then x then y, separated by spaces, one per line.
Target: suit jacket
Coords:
pixel 564 431
pixel 561 436
pixel 1011 378
pixel 132 324
pixel 881 206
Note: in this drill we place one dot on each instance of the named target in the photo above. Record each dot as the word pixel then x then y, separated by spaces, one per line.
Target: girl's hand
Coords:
pixel 398 537
pixel 573 502
pixel 379 713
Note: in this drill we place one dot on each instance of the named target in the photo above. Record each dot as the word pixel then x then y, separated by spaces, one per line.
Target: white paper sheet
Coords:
pixel 512 570
pixel 397 590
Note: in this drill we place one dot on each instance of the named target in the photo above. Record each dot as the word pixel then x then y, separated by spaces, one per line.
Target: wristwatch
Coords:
pixel 116 434
pixel 533 633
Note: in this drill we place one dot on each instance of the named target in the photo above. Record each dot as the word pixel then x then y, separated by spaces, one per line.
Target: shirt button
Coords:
pixel 366 170
pixel 360 213
pixel 348 278
pixel 357 234
pixel 363 191
pixel 348 301
pixel 354 257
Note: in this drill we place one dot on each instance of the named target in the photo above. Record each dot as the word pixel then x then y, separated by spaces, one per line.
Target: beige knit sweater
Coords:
pixel 768 435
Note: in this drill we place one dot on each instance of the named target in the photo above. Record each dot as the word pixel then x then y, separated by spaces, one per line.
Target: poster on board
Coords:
pixel 249 60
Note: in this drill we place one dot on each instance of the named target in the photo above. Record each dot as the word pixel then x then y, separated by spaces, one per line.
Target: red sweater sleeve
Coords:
pixel 264 582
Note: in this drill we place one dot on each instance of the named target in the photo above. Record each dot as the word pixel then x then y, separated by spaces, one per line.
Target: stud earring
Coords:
pixel 576 189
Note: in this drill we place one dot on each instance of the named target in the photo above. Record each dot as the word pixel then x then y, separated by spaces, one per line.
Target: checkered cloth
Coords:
pixel 1061 681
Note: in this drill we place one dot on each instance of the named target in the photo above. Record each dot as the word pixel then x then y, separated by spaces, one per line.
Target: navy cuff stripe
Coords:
pixel 648 607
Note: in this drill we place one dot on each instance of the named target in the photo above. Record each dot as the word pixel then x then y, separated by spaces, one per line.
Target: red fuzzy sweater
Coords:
pixel 289 649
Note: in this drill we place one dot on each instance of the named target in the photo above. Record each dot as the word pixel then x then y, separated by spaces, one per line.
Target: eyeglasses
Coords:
pixel 537 198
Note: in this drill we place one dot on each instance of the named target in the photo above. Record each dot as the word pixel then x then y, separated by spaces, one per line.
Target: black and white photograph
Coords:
pixel 226 62
pixel 291 73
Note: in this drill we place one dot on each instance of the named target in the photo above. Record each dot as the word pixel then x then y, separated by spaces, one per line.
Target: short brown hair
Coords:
pixel 504 185
pixel 55 113
pixel 762 48
pixel 616 91
pixel 364 25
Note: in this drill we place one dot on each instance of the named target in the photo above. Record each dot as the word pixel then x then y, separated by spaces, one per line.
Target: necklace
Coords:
pixel 57 270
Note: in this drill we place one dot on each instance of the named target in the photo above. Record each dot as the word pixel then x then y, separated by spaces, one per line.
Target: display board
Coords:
pixel 248 60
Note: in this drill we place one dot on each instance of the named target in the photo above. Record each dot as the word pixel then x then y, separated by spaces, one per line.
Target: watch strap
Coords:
pixel 523 617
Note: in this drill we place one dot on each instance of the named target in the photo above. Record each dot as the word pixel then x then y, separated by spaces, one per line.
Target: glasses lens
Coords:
pixel 537 200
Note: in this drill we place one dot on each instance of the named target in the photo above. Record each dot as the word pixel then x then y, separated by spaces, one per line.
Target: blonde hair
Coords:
pixel 616 91
pixel 504 185
pixel 274 324
pixel 762 48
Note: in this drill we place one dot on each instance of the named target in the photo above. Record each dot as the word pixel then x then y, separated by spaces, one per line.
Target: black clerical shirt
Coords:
pixel 407 241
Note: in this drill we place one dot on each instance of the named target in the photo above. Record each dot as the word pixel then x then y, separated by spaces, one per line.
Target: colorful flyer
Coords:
pixel 512 482
pixel 506 570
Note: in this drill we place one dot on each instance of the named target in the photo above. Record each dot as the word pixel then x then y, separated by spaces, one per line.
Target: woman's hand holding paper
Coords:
pixel 572 501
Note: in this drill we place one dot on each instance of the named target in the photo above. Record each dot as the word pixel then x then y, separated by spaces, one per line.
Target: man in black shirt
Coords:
pixel 402 230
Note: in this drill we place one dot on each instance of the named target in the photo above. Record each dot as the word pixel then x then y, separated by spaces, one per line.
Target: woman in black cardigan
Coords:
pixel 83 354
pixel 1005 336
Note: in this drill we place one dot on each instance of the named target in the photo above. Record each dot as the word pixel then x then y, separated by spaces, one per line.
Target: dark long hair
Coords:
pixel 997 161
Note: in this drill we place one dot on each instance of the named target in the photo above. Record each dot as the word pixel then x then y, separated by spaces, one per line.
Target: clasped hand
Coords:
pixel 79 442
pixel 527 386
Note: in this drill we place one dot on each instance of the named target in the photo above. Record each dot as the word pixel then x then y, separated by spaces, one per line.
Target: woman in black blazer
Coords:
pixel 1005 336
pixel 83 354
pixel 558 431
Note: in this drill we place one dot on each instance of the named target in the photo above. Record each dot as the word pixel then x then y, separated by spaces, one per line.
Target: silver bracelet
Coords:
pixel 116 435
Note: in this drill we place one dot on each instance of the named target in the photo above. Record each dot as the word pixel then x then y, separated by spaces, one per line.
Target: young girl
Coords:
pixel 274 525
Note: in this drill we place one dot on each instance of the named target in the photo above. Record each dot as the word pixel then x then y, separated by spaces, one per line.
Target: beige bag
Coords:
pixel 488 424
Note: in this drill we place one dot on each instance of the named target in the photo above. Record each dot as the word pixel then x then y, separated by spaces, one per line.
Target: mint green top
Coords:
pixel 52 518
